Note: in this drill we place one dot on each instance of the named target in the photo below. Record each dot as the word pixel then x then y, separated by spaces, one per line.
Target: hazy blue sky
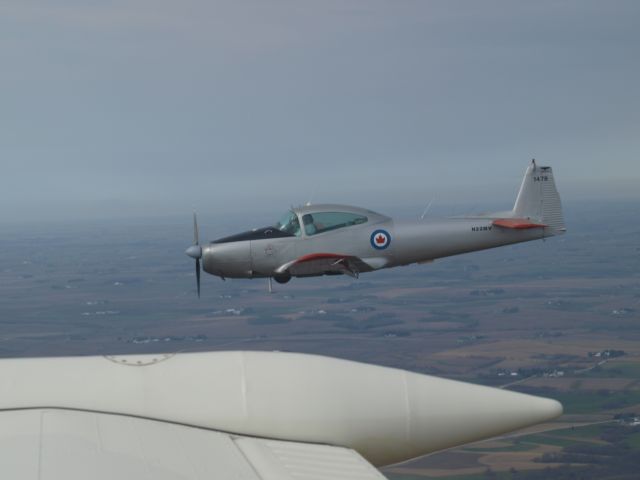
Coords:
pixel 145 107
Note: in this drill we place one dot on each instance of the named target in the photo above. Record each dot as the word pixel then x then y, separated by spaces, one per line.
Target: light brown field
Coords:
pixel 469 463
pixel 494 443
pixel 530 352
pixel 502 461
pixel 525 348
pixel 543 427
pixel 566 384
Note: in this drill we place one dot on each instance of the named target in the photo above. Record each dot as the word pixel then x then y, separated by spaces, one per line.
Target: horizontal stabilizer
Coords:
pixel 517 223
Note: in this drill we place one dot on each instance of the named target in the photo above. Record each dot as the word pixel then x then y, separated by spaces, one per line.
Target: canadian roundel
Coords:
pixel 380 239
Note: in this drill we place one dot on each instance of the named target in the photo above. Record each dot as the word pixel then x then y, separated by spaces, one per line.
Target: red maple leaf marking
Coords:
pixel 380 239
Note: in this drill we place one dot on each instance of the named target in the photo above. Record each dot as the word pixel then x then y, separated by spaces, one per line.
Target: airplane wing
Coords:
pixel 517 223
pixel 57 444
pixel 329 263
pixel 74 445
pixel 236 416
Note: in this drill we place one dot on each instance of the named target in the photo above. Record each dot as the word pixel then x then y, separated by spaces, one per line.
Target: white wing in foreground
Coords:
pixel 160 416
pixel 52 444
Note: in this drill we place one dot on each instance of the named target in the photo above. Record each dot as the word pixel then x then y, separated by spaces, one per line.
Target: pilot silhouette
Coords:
pixel 309 226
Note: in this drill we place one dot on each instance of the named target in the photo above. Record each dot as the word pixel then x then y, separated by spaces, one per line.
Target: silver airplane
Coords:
pixel 328 239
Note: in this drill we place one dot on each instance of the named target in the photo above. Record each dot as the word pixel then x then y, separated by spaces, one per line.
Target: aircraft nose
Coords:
pixel 194 251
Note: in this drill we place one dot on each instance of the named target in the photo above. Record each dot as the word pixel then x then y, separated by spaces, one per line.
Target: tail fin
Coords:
pixel 538 199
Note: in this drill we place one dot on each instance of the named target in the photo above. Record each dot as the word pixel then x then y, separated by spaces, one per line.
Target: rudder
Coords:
pixel 538 199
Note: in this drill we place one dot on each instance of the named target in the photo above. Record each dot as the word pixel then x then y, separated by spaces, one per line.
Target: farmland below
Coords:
pixel 559 318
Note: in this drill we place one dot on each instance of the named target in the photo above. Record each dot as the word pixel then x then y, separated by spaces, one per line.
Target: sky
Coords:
pixel 135 108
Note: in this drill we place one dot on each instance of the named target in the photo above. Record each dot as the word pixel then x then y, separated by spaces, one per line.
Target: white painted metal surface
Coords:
pixel 277 460
pixel 387 415
pixel 44 444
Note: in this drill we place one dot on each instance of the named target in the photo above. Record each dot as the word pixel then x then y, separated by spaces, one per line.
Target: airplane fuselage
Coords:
pixel 408 242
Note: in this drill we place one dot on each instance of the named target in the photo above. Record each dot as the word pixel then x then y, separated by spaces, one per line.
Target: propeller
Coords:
pixel 195 251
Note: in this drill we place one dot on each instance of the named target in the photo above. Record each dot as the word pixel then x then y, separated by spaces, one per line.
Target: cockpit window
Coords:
pixel 319 222
pixel 289 224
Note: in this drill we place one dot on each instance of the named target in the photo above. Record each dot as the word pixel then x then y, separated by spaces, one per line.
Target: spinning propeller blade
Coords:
pixel 198 275
pixel 196 234
pixel 195 251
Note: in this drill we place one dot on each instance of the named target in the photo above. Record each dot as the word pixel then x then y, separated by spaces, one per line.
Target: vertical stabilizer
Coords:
pixel 538 199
